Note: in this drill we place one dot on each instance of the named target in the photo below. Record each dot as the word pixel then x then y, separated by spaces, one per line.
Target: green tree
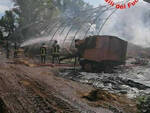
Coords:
pixel 7 24
pixel 33 16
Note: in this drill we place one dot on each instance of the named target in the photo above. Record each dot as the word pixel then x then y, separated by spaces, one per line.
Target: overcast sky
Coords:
pixel 7 4
pixel 94 2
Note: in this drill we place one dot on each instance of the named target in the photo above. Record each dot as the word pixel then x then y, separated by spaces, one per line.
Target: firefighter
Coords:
pixel 15 50
pixel 7 50
pixel 77 54
pixel 26 51
pixel 43 53
pixel 55 52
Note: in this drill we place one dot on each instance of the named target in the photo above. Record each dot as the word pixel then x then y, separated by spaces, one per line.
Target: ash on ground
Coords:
pixel 132 79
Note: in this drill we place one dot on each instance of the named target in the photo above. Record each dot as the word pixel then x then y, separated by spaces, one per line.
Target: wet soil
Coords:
pixel 37 90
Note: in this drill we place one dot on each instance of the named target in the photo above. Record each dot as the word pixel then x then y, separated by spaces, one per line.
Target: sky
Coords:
pixel 7 4
pixel 126 17
pixel 94 2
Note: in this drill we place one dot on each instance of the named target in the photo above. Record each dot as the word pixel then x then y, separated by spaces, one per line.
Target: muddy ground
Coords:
pixel 26 89
pixel 34 89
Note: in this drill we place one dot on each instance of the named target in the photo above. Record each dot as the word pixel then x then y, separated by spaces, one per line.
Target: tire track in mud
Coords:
pixel 41 100
pixel 32 99
pixel 59 100
pixel 23 94
pixel 8 98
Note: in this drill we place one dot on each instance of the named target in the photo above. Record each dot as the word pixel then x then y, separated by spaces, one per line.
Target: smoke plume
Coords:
pixel 131 24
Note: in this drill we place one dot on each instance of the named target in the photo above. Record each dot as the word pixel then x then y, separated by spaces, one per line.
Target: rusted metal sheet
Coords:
pixel 107 48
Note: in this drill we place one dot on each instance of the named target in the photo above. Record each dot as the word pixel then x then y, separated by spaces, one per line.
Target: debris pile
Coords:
pixel 141 61
pixel 130 81
pixel 117 103
pixel 98 94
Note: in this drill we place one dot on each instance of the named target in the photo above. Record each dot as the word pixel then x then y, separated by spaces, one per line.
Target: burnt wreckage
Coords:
pixel 101 52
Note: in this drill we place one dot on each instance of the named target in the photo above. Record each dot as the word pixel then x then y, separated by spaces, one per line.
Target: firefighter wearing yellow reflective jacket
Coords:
pixel 55 52
pixel 43 53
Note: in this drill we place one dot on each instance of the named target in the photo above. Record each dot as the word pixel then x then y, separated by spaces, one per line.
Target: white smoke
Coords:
pixel 132 24
pixel 35 41
pixel 48 40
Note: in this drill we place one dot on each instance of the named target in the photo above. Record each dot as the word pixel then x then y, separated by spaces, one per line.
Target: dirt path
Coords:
pixel 37 90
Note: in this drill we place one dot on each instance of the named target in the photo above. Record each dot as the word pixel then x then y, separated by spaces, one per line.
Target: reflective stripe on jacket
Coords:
pixel 43 51
pixel 55 50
